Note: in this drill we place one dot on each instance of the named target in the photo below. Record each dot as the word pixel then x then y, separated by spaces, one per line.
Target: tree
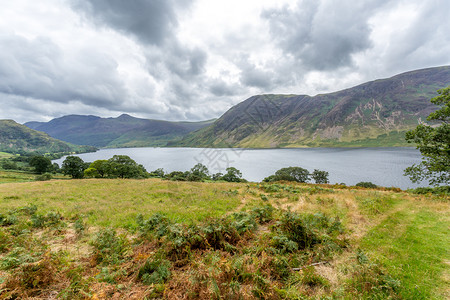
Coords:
pixel 159 173
pixel 292 174
pixel 232 175
pixel 199 173
pixel 73 166
pixel 41 164
pixel 97 169
pixel 433 142
pixel 320 176
pixel 124 167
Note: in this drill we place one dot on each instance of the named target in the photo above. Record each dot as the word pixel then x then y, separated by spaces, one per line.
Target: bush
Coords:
pixel 263 214
pixel 155 271
pixel 108 247
pixel 44 177
pixel 365 184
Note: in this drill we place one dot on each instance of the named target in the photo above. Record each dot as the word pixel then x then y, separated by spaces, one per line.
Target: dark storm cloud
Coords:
pixel 39 69
pixel 150 21
pixel 323 35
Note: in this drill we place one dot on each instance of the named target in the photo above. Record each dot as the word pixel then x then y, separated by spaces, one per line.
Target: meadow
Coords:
pixel 152 238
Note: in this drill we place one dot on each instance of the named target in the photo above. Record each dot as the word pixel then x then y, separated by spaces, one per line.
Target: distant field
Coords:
pixel 5 155
pixel 365 244
pixel 7 176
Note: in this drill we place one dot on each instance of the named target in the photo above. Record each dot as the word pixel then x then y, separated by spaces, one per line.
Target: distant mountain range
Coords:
pixel 17 138
pixel 376 113
pixel 123 131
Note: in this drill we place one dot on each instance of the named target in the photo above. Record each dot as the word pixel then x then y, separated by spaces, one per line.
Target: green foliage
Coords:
pixel 439 190
pixel 108 247
pixel 233 175
pixel 158 173
pixel 296 174
pixel 73 166
pixel 320 176
pixel 198 173
pixel 123 166
pixel 433 143
pixel 79 226
pixel 44 177
pixel 366 184
pixel 8 164
pixel 155 271
pixel 41 164
pixel 263 214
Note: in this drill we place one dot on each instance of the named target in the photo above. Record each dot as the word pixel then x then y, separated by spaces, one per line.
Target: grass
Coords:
pixel 161 239
pixel 413 247
pixel 14 176
pixel 5 155
pixel 99 199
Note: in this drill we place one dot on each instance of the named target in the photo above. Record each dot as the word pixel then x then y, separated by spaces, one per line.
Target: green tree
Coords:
pixel 320 176
pixel 233 175
pixel 124 167
pixel 433 142
pixel 159 173
pixel 97 169
pixel 292 174
pixel 198 173
pixel 73 166
pixel 41 164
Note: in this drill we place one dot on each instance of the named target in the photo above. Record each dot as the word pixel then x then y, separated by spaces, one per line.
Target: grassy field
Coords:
pixel 143 239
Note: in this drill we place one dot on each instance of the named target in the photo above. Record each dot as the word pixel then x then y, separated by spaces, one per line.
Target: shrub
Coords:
pixel 108 247
pixel 366 184
pixel 44 177
pixel 296 230
pixel 155 271
pixel 263 214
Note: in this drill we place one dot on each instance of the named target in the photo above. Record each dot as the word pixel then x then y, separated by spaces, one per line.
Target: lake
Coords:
pixel 382 166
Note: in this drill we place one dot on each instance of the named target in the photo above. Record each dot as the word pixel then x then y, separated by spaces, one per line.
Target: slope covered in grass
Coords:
pixel 136 239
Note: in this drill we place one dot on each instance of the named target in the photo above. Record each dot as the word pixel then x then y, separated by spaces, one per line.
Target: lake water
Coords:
pixel 382 166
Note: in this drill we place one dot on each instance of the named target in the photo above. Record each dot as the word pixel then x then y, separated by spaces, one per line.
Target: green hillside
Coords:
pixel 17 138
pixel 376 113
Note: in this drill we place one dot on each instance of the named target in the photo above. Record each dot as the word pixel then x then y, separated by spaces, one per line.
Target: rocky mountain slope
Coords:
pixel 376 113
pixel 123 131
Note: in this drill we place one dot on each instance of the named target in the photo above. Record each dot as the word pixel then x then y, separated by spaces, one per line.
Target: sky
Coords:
pixel 192 60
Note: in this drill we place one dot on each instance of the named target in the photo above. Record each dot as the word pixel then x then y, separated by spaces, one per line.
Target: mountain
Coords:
pixel 377 113
pixel 17 138
pixel 123 131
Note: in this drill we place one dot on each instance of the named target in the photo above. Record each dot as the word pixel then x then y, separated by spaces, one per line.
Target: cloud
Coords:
pixel 150 22
pixel 38 68
pixel 322 35
pixel 194 59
